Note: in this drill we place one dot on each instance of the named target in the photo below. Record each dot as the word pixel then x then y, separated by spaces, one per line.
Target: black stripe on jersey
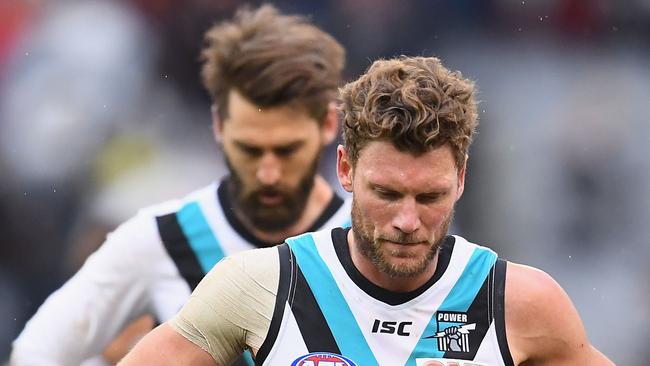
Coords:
pixel 313 326
pixel 479 313
pixel 340 240
pixel 286 286
pixel 499 310
pixel 178 248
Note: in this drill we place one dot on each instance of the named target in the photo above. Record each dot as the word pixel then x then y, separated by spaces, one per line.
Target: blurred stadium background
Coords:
pixel 101 112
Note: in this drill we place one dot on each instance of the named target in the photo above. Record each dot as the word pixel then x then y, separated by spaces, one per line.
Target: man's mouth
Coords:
pixel 404 243
pixel 270 198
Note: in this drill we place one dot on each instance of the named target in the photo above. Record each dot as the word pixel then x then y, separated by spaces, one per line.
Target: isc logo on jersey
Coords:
pixel 323 359
pixel 445 362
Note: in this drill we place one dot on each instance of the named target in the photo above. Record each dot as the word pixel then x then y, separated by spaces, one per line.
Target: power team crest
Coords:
pixel 453 331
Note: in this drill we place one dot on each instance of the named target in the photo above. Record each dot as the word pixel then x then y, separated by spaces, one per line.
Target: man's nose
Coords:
pixel 407 219
pixel 269 170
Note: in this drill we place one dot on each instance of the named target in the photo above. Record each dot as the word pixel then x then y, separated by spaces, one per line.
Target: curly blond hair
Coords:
pixel 272 59
pixel 414 102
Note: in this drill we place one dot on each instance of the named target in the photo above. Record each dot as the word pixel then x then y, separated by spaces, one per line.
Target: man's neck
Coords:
pixel 397 284
pixel 319 197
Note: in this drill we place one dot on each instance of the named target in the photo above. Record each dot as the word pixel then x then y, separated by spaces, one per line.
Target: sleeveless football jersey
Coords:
pixel 328 314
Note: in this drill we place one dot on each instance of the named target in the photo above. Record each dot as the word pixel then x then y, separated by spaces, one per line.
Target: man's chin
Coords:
pixel 406 267
pixel 272 221
pixel 409 261
pixel 405 252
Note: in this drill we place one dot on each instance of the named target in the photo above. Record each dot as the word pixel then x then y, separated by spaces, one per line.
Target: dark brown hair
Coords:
pixel 272 60
pixel 414 102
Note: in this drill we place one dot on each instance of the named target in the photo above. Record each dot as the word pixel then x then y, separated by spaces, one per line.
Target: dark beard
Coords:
pixel 271 218
pixel 371 248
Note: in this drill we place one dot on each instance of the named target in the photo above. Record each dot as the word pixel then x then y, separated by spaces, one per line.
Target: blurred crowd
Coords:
pixel 101 113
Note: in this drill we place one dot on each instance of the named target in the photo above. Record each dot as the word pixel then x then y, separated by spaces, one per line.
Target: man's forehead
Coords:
pixel 385 152
pixel 270 134
pixel 381 162
pixel 416 178
pixel 244 117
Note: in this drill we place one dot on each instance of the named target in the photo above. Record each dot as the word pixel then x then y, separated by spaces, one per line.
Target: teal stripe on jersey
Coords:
pixel 459 298
pixel 248 358
pixel 347 223
pixel 335 309
pixel 200 236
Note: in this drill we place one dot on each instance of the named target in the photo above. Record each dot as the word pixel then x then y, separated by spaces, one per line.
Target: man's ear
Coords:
pixel 217 123
pixel 344 168
pixel 461 178
pixel 330 127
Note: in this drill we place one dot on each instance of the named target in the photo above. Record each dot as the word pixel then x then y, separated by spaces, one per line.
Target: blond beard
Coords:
pixel 371 248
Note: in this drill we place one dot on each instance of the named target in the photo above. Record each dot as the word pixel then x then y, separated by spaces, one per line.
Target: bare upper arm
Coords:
pixel 164 347
pixel 542 325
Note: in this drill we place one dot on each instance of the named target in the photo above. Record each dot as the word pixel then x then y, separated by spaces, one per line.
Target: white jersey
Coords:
pixel 148 265
pixel 327 313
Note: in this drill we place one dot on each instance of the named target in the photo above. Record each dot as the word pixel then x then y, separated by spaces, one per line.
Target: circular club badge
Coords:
pixel 323 359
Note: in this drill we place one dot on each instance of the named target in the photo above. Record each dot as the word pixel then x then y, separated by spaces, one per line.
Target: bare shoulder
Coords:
pixel 542 325
pixel 531 290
